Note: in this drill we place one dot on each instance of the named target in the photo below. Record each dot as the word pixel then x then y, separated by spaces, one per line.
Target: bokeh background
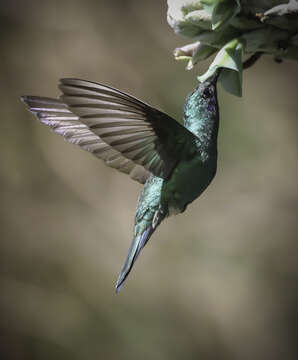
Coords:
pixel 219 281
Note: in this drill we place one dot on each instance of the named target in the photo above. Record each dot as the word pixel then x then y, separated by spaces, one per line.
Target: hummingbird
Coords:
pixel 175 163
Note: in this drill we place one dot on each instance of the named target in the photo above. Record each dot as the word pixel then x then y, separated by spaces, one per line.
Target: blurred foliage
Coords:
pixel 233 27
pixel 219 281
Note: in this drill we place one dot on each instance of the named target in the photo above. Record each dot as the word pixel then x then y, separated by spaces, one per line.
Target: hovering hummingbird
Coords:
pixel 176 163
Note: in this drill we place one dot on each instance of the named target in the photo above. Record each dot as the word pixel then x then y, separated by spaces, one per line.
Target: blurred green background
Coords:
pixel 219 281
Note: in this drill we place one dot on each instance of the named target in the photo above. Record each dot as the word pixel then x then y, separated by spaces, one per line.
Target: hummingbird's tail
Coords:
pixel 136 246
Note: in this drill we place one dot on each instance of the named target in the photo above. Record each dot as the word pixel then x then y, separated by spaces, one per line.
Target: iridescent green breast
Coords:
pixel 192 175
pixel 188 181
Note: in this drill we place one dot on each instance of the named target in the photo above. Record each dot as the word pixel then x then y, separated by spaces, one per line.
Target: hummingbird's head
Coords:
pixel 201 105
pixel 206 94
pixel 207 89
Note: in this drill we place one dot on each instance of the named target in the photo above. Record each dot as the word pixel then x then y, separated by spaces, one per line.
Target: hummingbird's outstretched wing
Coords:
pixel 56 114
pixel 139 132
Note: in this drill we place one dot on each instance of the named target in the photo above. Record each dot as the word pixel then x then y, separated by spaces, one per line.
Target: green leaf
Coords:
pixel 229 58
pixel 200 18
pixel 186 28
pixel 202 52
pixel 265 39
pixel 221 11
pixel 245 23
pixel 218 38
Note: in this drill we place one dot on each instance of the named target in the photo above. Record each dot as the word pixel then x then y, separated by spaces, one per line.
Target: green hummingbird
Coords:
pixel 175 162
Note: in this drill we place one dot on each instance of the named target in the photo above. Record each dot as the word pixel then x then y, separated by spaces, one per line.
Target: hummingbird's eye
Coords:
pixel 207 92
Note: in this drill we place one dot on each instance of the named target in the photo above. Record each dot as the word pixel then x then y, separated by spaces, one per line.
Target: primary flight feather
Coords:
pixel 176 163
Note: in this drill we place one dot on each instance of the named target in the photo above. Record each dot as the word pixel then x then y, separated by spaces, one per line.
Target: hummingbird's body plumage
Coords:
pixel 176 163
pixel 190 177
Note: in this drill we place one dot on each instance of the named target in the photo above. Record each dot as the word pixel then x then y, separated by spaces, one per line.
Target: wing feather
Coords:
pixel 56 114
pixel 139 132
